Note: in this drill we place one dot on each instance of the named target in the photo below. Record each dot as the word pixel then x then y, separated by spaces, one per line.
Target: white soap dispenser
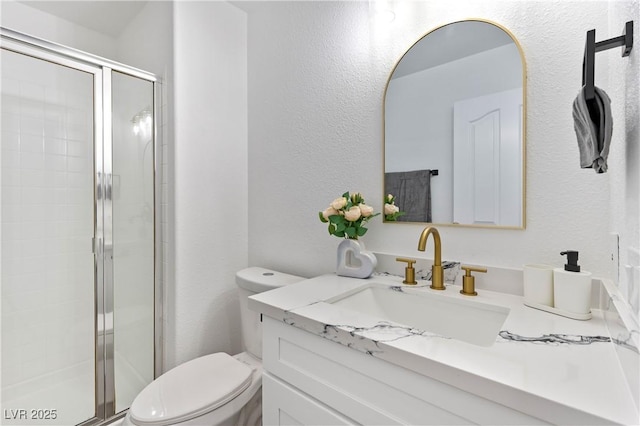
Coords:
pixel 572 287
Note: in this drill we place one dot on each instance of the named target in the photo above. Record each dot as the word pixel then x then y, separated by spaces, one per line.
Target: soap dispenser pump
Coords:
pixel 572 261
pixel 572 287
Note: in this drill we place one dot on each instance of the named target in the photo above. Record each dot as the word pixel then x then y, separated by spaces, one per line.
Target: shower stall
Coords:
pixel 80 317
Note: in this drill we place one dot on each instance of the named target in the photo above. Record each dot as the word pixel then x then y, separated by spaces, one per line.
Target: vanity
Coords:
pixel 374 351
pixel 340 350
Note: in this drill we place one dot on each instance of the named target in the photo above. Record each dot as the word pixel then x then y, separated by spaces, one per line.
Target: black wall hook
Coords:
pixel 590 49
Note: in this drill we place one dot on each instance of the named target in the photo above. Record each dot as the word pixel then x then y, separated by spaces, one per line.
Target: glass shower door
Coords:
pixel 48 217
pixel 78 255
pixel 133 236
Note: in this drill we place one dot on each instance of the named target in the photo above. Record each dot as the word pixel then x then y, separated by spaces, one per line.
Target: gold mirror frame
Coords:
pixel 523 135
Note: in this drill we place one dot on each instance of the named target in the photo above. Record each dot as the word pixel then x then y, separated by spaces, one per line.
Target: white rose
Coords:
pixel 329 211
pixel 339 203
pixel 365 210
pixel 352 214
pixel 390 209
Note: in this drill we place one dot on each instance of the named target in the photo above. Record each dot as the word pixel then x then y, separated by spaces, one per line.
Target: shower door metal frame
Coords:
pixel 103 207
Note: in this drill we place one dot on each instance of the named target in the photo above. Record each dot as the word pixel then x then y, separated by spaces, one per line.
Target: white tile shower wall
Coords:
pixel 47 223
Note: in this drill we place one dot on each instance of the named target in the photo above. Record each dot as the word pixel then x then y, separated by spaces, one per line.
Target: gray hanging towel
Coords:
pixel 413 194
pixel 593 129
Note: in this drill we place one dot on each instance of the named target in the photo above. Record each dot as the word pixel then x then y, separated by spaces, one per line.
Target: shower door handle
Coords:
pixel 108 187
pixel 104 186
pixel 98 185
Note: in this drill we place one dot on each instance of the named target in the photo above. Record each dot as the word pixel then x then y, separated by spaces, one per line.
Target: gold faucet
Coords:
pixel 437 273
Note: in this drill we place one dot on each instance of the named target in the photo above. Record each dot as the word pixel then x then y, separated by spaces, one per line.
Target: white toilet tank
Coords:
pixel 252 281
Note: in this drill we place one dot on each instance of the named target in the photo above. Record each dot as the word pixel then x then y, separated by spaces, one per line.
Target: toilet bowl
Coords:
pixel 215 389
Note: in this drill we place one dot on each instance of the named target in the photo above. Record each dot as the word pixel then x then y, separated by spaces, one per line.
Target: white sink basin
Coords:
pixel 453 317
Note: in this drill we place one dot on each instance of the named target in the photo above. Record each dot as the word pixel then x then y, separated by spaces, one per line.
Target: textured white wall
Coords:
pixel 210 179
pixel 317 73
pixel 623 86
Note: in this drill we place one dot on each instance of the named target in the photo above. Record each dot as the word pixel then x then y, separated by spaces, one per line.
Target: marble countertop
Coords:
pixel 558 369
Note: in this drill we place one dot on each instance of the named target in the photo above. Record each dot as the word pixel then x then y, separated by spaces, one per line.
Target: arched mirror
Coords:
pixel 454 128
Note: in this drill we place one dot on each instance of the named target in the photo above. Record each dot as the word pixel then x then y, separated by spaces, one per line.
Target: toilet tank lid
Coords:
pixel 258 279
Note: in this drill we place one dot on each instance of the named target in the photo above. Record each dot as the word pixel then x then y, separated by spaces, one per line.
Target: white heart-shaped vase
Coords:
pixel 354 261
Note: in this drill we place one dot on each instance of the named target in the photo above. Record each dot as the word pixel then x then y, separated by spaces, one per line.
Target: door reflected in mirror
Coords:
pixel 454 128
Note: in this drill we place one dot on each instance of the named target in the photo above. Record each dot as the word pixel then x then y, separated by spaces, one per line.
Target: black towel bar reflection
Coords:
pixel 590 49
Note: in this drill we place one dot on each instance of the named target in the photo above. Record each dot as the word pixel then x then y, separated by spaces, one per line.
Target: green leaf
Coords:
pixel 336 218
pixel 322 219
pixel 362 231
pixel 339 234
pixel 351 232
pixel 341 226
pixel 332 229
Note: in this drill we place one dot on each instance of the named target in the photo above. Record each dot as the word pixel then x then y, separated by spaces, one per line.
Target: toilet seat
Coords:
pixel 191 390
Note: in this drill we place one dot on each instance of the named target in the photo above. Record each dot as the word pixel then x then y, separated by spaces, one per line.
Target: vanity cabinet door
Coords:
pixel 351 383
pixel 284 405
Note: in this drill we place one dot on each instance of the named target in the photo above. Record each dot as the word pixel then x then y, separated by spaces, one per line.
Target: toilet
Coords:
pixel 216 389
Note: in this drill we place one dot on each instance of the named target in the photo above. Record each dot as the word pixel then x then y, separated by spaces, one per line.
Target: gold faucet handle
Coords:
pixel 409 271
pixel 469 282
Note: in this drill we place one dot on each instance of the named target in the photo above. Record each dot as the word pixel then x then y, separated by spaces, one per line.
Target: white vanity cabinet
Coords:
pixel 311 380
